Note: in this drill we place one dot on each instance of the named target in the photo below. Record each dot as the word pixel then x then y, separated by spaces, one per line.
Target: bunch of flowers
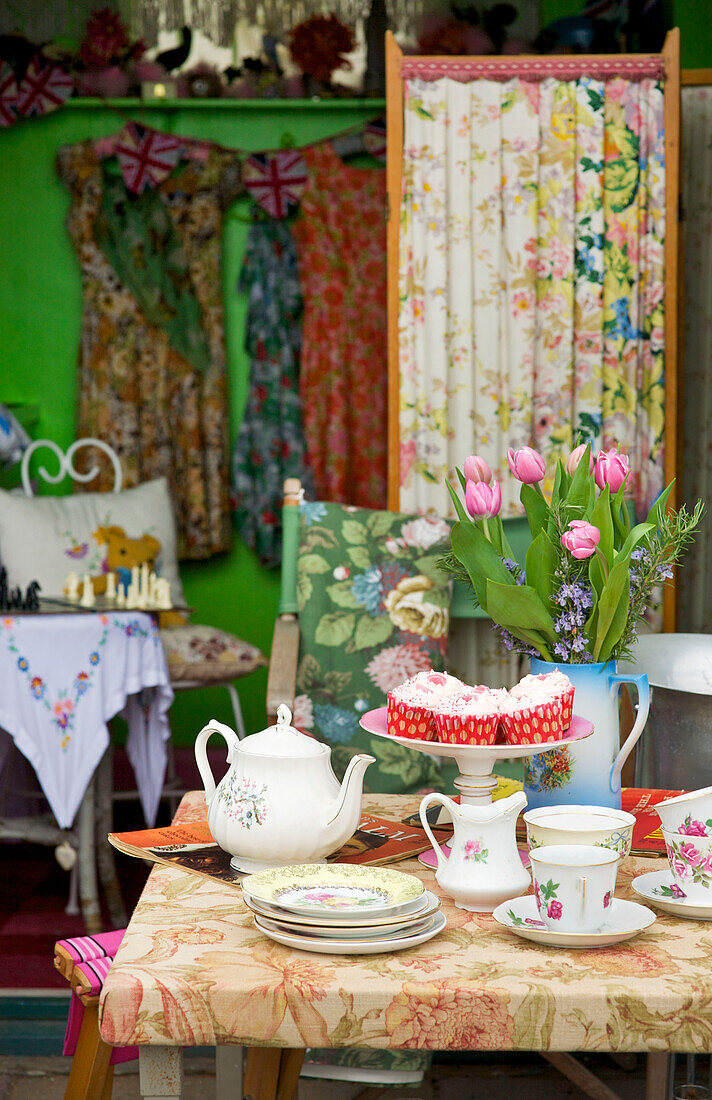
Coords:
pixel 106 42
pixel 589 575
pixel 319 44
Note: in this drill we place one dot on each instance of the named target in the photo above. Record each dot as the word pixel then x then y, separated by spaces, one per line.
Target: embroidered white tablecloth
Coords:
pixel 62 677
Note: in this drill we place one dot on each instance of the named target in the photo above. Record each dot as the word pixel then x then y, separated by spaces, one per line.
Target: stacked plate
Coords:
pixel 342 908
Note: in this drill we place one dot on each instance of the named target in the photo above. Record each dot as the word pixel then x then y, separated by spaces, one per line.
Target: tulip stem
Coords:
pixel 485 528
pixel 604 563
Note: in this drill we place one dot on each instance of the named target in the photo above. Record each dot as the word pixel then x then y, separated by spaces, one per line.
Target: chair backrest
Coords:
pixel 66 463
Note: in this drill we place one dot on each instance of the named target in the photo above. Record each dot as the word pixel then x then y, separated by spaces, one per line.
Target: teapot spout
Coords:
pixel 345 813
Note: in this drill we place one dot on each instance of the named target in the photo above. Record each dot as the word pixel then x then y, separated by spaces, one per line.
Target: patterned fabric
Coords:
pixel 43 88
pixel 206 653
pixel 270 444
pixel 340 237
pixel 373 610
pixel 8 95
pixel 193 970
pixel 695 580
pixel 91 958
pixel 137 391
pixel 276 181
pixel 531 277
pixel 146 157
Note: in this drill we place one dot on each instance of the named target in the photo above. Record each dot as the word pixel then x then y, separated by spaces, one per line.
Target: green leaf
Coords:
pixel 335 628
pixel 536 508
pixel 459 507
pixel 612 606
pixel 428 566
pixel 360 556
pixel 341 594
pixel 313 563
pixel 658 509
pixel 353 531
pixel 371 632
pixel 578 496
pixel 541 563
pixel 479 558
pixel 639 532
pixel 380 523
pixel 602 519
pixel 519 605
pixel 621 524
pixel 304 591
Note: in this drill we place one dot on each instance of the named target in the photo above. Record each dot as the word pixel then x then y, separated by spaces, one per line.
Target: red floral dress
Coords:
pixel 341 242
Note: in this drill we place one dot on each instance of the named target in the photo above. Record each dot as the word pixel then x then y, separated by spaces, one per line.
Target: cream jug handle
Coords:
pixel 643 686
pixel 449 805
pixel 201 755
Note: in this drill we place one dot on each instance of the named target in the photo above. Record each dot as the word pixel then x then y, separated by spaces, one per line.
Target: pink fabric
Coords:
pixel 97 953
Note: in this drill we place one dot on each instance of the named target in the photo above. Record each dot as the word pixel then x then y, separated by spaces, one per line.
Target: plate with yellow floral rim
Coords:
pixel 625 920
pixel 336 890
pixel 354 947
pixel 661 890
pixel 316 922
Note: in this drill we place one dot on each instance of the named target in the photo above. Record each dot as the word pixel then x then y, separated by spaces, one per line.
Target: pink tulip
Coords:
pixel 612 469
pixel 476 469
pixel 582 540
pixel 576 456
pixel 526 465
pixel 483 500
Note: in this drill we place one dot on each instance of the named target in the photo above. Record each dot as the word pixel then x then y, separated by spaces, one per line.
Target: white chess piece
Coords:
pixel 121 595
pixel 88 599
pixel 163 594
pixel 72 586
pixel 111 586
pixel 152 578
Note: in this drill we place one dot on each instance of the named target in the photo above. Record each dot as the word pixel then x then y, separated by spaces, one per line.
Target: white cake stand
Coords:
pixel 476 762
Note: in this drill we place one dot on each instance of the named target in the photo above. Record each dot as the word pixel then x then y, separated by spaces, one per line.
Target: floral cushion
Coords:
pixel 373 610
pixel 206 653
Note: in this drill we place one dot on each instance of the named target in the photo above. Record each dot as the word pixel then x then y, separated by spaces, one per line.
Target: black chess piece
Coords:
pixel 15 601
pixel 32 601
pixel 3 588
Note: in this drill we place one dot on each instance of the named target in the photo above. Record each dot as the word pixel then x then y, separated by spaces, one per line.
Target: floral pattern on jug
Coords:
pixel 245 802
pixel 475 850
pixel 548 770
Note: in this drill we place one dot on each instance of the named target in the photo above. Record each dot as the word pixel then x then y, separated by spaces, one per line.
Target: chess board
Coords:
pixel 60 605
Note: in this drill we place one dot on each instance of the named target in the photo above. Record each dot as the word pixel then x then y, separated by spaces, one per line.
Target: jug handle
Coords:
pixel 643 686
pixel 449 805
pixel 201 755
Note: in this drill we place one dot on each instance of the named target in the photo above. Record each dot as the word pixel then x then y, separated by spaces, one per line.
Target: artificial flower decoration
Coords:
pixel 106 42
pixel 589 575
pixel 318 46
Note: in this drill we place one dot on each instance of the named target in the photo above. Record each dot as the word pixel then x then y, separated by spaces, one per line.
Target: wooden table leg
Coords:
pixel 160 1071
pixel 657 1075
pixel 229 1072
pixel 90 1074
pixel 88 892
pixel 110 886
pixel 272 1073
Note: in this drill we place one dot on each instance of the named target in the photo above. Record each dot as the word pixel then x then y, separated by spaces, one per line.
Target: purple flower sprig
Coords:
pixel 575 602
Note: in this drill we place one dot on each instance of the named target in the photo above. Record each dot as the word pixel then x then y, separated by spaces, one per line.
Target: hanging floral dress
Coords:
pixel 341 242
pixel 152 380
pixel 270 444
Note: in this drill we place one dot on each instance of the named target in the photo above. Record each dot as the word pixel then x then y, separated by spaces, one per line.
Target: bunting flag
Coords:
pixel 374 138
pixel 43 88
pixel 146 157
pixel 8 95
pixel 276 180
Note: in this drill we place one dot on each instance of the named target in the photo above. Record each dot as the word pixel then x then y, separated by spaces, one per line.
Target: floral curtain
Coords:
pixel 694 580
pixel 531 277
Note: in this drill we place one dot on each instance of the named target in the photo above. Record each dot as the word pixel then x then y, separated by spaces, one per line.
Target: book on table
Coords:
pixel 191 847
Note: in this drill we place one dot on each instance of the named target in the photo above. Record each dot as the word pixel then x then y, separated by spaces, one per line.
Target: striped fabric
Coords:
pixel 85 962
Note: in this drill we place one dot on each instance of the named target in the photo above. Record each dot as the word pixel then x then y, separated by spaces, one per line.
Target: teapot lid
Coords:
pixel 283 739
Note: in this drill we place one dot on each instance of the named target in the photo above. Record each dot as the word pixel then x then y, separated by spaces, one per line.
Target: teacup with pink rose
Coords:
pixel 689 813
pixel 690 857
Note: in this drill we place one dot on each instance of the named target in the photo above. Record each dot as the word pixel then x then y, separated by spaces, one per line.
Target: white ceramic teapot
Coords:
pixel 280 801
pixel 483 868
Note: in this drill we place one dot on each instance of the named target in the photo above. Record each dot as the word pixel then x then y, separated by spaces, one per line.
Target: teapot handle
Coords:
pixel 449 805
pixel 201 755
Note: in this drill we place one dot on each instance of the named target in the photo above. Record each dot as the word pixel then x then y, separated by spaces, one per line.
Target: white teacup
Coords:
pixel 574 885
pixel 688 813
pixel 690 859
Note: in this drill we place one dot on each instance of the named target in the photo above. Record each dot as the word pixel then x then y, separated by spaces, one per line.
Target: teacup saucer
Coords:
pixel 625 920
pixel 657 886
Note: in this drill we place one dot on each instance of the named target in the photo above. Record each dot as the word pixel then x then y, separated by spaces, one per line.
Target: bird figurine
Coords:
pixel 17 51
pixel 173 59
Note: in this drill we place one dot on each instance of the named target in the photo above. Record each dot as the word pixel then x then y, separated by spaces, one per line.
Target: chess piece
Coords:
pixel 71 585
pixel 3 588
pixel 163 594
pixel 121 596
pixel 88 599
pixel 14 603
pixel 152 578
pixel 111 586
pixel 32 602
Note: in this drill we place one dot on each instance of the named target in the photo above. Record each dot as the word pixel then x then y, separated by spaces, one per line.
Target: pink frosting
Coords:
pixel 425 689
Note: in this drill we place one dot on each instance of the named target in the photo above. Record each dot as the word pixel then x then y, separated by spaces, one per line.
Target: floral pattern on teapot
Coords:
pixel 245 802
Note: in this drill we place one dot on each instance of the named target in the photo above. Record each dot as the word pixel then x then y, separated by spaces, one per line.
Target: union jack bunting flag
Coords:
pixel 43 88
pixel 146 157
pixel 276 180
pixel 374 138
pixel 8 95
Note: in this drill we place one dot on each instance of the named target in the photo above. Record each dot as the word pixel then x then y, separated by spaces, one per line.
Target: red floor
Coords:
pixel 35 891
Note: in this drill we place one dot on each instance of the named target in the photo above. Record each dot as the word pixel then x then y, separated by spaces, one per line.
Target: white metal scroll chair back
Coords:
pixel 66 463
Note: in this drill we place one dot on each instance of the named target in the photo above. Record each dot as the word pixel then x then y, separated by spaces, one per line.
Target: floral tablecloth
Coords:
pixel 63 677
pixel 193 970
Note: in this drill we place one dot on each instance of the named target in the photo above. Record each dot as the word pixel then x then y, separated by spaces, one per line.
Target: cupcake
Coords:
pixel 411 704
pixel 471 718
pixel 558 685
pixel 531 714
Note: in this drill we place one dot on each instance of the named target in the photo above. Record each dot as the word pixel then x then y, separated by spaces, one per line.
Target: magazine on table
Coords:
pixel 191 846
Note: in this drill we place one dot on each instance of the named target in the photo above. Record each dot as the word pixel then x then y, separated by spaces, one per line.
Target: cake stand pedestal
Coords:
pixel 475 782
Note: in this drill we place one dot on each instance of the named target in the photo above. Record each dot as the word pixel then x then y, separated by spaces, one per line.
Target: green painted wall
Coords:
pixel 40 322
